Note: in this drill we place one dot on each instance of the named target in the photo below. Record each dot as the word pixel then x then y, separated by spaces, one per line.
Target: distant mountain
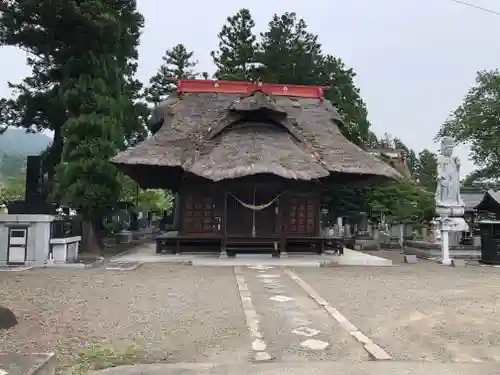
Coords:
pixel 15 146
pixel 17 142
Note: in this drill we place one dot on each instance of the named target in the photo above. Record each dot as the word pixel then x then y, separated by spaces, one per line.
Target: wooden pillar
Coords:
pixel 281 226
pixel 177 212
pixel 223 252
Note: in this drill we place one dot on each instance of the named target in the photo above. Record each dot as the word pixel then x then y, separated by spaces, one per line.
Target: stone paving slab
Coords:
pixel 24 364
pixel 122 266
pixel 14 268
pixel 293 326
pixel 146 254
pixel 309 368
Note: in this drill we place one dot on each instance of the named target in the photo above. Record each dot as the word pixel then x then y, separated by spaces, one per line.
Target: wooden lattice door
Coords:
pixel 199 216
pixel 302 215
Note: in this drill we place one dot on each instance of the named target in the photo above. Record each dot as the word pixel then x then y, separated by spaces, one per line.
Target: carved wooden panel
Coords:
pixel 200 214
pixel 301 215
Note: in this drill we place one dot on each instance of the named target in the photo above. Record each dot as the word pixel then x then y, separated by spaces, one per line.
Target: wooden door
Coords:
pixel 239 218
pixel 266 219
pixel 301 215
pixel 199 215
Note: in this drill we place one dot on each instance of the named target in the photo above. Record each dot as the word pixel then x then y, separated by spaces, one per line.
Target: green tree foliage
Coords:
pixel 291 54
pixel 38 28
pixel 288 53
pixel 178 63
pixel 477 122
pixel 411 198
pixel 371 140
pixel 12 189
pixel 386 142
pixel 402 201
pixel 237 46
pixel 426 170
pixel 481 178
pixel 154 200
pixel 12 166
pixel 344 201
pixel 83 56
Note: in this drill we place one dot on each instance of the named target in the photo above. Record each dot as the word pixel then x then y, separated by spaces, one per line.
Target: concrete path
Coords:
pixel 146 254
pixel 309 368
pixel 286 324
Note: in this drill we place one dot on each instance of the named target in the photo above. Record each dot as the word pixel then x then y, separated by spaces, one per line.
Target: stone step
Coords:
pixel 308 367
pixel 27 364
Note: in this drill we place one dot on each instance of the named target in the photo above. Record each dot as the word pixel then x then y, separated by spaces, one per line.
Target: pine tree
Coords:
pixel 86 51
pixel 291 54
pixel 237 43
pixel 37 104
pixel 178 63
pixel 288 52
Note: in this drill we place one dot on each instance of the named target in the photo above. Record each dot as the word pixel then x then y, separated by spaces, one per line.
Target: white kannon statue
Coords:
pixel 448 178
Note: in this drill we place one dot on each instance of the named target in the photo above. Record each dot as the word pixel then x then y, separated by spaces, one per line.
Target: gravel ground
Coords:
pixel 419 312
pixel 172 313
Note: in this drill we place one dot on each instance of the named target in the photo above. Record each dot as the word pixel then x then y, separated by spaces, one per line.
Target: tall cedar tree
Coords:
pixel 37 104
pixel 178 63
pixel 82 57
pixel 291 54
pixel 237 46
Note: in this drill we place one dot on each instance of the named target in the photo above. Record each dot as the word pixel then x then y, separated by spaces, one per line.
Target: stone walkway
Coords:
pixel 309 368
pixel 288 321
pixel 146 254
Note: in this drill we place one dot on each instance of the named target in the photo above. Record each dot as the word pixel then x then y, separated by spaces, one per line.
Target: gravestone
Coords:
pixel 362 227
pixel 457 263
pixel 411 259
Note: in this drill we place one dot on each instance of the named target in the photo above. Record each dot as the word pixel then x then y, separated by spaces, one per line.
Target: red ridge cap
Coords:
pixel 242 88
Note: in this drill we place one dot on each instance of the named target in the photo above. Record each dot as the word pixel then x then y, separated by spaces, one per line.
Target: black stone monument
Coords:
pixel 490 242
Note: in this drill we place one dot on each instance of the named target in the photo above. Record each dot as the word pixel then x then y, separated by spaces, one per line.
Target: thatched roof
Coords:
pixel 221 136
pixel 396 158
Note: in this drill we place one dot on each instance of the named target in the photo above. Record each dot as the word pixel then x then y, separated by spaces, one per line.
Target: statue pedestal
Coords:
pixel 446 225
pixel 447 211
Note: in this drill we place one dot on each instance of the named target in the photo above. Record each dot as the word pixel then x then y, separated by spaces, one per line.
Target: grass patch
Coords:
pixel 100 357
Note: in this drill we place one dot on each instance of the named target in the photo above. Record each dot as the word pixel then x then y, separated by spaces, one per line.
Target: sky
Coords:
pixel 415 59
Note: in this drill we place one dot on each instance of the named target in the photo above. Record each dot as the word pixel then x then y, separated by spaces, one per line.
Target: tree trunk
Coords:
pixel 91 242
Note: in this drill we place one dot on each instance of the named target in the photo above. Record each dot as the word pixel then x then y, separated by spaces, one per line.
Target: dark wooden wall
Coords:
pixel 202 213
